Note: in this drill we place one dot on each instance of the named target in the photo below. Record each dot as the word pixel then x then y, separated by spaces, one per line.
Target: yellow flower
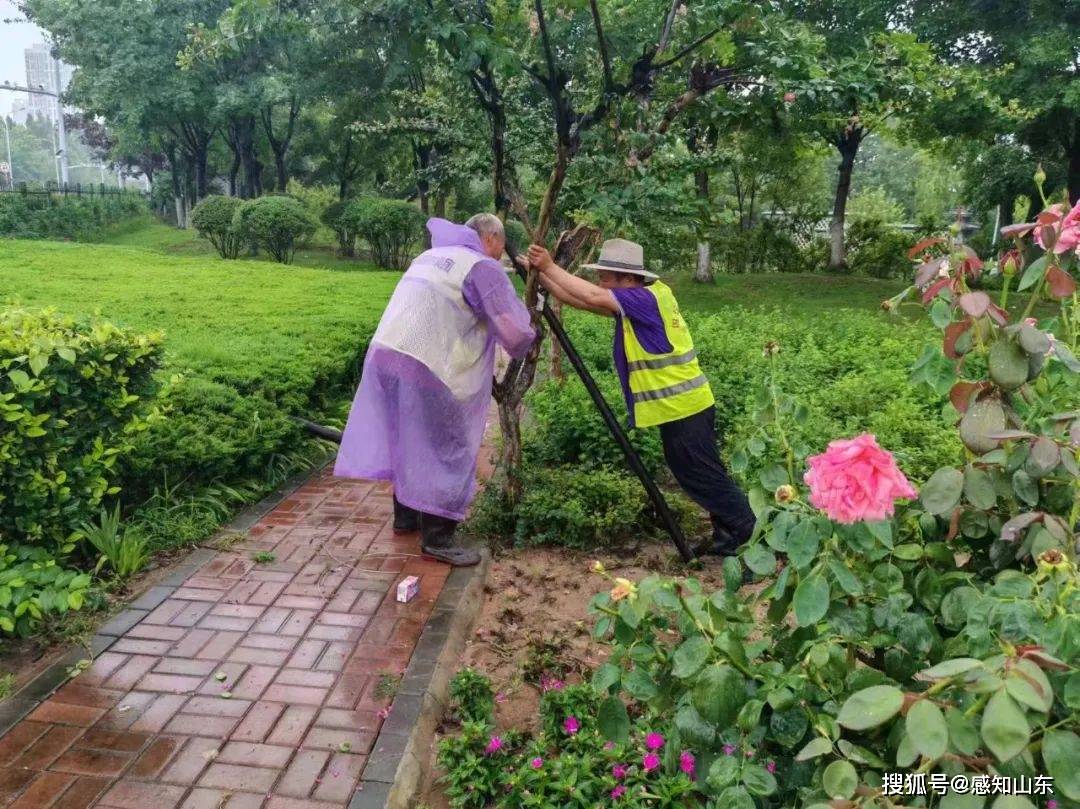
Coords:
pixel 623 588
pixel 598 567
pixel 1052 560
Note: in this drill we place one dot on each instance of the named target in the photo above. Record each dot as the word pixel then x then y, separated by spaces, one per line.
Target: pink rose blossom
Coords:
pixel 619 772
pixel 771 766
pixel 1066 229
pixel 537 763
pixel 654 741
pixel 789 98
pixel 500 698
pixel 1051 804
pixel 687 762
pixel 571 725
pixel 729 749
pixel 618 792
pixel 855 480
pixel 494 746
pixel 650 762
pixel 609 745
pixel 548 683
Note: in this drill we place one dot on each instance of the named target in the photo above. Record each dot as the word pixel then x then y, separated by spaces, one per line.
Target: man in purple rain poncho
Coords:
pixel 418 417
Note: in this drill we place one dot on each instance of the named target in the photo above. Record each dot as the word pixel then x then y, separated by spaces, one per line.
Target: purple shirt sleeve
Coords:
pixel 491 295
pixel 639 306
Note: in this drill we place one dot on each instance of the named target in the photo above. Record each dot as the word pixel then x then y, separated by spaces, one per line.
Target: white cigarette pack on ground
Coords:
pixel 407 588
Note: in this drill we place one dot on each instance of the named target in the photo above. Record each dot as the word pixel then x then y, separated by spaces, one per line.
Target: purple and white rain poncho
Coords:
pixel 419 414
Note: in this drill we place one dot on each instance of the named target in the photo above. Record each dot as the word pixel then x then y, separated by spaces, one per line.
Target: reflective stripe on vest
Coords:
pixel 665 387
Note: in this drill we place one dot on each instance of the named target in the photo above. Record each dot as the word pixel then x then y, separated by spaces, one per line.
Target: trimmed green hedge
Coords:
pixel 392 227
pixel 76 218
pixel 73 398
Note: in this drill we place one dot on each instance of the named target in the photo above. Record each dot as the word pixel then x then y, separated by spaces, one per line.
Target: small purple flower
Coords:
pixel 619 771
pixel 771 766
pixel 609 745
pixel 494 746
pixel 1051 804
pixel 618 792
pixel 500 698
pixel 650 762
pixel 687 762
pixel 571 725
pixel 654 741
pixel 548 683
pixel 729 749
pixel 537 763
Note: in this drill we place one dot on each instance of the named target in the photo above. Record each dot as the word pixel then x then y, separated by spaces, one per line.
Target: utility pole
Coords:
pixel 63 155
pixel 7 137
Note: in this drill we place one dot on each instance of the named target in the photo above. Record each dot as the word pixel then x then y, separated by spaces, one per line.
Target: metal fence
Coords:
pixel 91 190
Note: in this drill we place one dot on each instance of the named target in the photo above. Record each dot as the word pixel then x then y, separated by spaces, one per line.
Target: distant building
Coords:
pixel 39 73
pixel 19 111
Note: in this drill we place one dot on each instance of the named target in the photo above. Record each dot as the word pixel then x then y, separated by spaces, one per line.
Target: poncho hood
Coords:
pixel 445 233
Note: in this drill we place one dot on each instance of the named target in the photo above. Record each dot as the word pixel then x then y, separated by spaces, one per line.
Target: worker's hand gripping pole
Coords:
pixel 616 429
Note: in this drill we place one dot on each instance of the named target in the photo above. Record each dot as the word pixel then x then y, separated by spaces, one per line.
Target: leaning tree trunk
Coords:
pixel 848 146
pixel 510 391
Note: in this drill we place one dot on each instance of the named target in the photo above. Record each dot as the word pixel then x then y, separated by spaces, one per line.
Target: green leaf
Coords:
pixel 690 657
pixel 640 685
pixel 735 798
pixel 1012 802
pixel 732 574
pixel 811 600
pixel 7 624
pixel 759 559
pixel 66 354
pixel 871 707
pixel 38 363
pixel 719 693
pixel 1061 752
pixel 942 491
pixel 908 552
pixel 963 733
pixel 881 530
pixel 979 488
pixel 1027 684
pixel 605 677
pixel 1005 730
pixel 1034 273
pixel 803 543
pixel 840 780
pixel 759 781
pixel 950 668
pixel 1025 487
pixel 961 800
pixel 814 748
pixel 844 577
pixel 75 600
pixel 925 724
pixel 613 720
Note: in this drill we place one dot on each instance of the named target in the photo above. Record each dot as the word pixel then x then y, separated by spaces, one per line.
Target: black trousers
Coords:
pixel 691 453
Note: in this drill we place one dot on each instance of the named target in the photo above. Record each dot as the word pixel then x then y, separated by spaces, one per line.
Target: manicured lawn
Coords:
pixel 222 319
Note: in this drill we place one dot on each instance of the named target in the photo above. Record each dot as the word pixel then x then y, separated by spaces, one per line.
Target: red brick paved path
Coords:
pixel 302 641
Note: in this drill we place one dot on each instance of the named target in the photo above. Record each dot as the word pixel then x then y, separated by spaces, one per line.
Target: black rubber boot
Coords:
pixel 437 541
pixel 406 520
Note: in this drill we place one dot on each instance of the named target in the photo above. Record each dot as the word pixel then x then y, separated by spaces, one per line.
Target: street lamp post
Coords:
pixel 60 121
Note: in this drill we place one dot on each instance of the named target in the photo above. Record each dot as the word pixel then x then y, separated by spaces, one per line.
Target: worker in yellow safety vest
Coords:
pixel 661 380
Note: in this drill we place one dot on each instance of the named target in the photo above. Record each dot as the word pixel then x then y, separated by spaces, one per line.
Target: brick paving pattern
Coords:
pixel 253 684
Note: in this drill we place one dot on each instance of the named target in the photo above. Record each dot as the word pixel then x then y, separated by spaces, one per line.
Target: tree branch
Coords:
pixel 697 43
pixel 669 23
pixel 545 39
pixel 609 83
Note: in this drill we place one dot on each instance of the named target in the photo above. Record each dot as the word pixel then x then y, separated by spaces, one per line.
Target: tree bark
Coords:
pixel 703 274
pixel 848 146
pixel 244 134
pixel 279 144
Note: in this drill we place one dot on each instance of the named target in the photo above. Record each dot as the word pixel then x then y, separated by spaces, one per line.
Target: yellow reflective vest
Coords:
pixel 665 387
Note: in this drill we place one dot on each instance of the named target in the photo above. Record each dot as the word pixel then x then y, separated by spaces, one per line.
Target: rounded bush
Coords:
pixel 392 227
pixel 213 219
pixel 333 217
pixel 878 250
pixel 277 224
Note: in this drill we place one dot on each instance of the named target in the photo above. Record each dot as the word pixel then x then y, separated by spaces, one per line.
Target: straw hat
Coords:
pixel 620 255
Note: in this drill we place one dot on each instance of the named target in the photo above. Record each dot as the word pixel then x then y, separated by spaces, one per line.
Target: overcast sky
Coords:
pixel 14 38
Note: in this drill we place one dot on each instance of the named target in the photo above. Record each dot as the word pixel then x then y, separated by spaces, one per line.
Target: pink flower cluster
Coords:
pixel 855 480
pixel 571 725
pixel 1065 228
pixel 549 683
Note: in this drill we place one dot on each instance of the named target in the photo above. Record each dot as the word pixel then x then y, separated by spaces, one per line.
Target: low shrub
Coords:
pixel 392 227
pixel 334 218
pixel 54 216
pixel 74 397
pixel 765 247
pixel 35 586
pixel 877 250
pixel 215 219
pixel 278 224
